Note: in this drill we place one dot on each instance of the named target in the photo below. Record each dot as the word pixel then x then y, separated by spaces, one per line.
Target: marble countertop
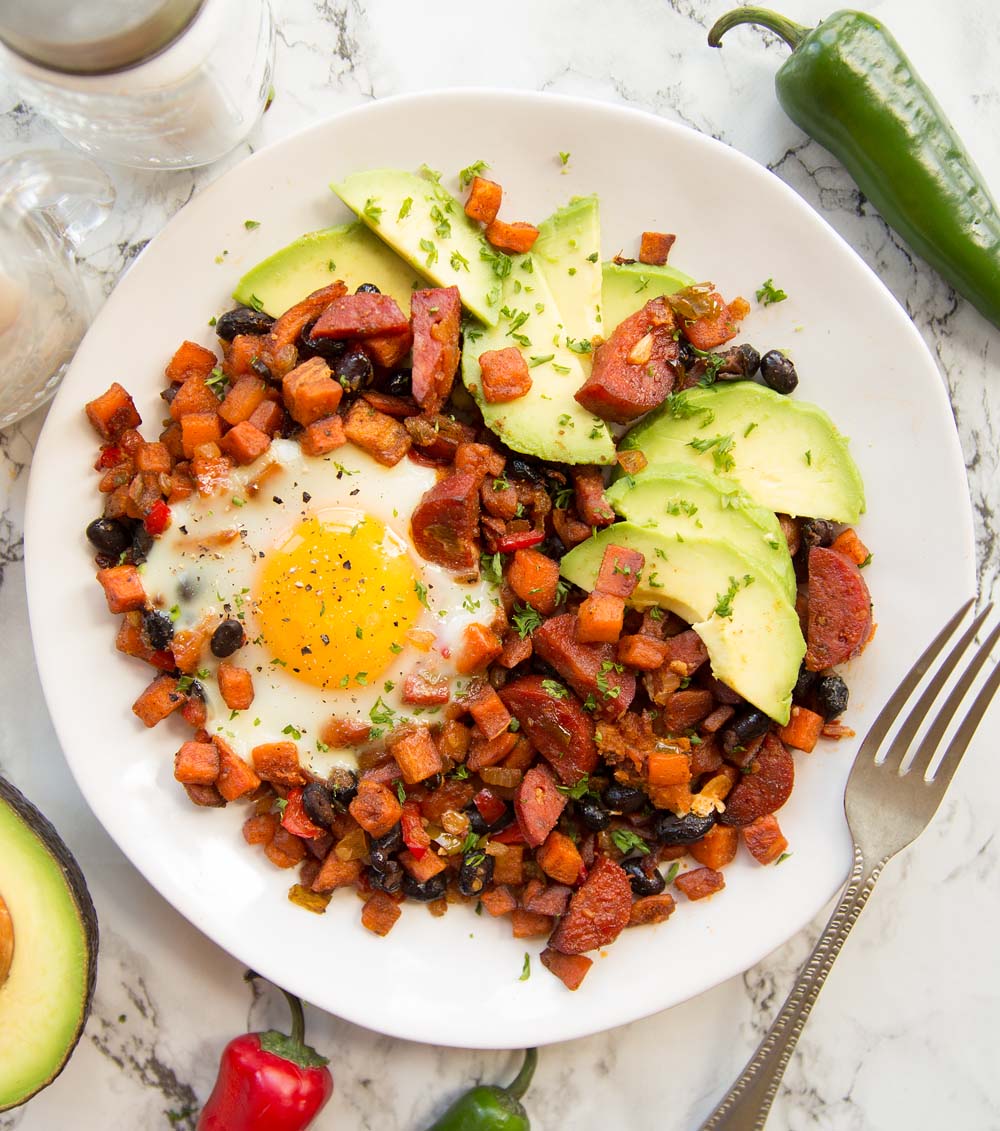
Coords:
pixel 904 1034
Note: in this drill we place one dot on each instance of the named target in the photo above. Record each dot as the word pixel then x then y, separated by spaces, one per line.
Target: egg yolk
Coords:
pixel 334 600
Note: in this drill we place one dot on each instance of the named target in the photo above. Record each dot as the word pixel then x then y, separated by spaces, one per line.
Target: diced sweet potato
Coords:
pixel 385 439
pixel 534 577
pixel 269 417
pixel 488 710
pixel 211 469
pixel 480 646
pixel 323 436
pixel 380 913
pixel 700 883
pixel 278 762
pixel 189 360
pixel 668 767
pixel 711 331
pixel 236 779
pixel 240 354
pixel 529 924
pixel 642 652
pixel 112 413
pixel 426 689
pixel 600 618
pixel 206 796
pixel 336 873
pixel 193 396
pixel 285 850
pixel 651 909
pixel 159 699
pixel 416 755
pixel 424 869
pixel 850 545
pixel 260 828
pixel 484 200
pixel 235 686
pixel 388 350
pixel 485 752
pixel 199 428
pixel 310 391
pixel 764 839
pixel 717 847
pixel 122 588
pixel 598 911
pixel 570 969
pixel 245 443
pixel 654 248
pixel 376 808
pixel 196 763
pixel 558 857
pixel 803 729
pixel 508 866
pixel 153 458
pixel 244 397
pixel 620 571
pixel 514 239
pixel 498 901
pixel 504 375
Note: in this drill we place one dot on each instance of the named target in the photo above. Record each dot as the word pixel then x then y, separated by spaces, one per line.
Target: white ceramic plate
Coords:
pixel 454 981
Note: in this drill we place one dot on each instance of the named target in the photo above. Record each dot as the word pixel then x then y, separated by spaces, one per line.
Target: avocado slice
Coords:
pixel 428 227
pixel 627 287
pixel 675 499
pixel 568 252
pixel 786 454
pixel 349 252
pixel 756 649
pixel 547 421
pixel 49 935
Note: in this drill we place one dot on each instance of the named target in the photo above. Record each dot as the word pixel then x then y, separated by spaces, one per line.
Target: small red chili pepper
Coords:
pixel 158 518
pixel 414 834
pixel 295 819
pixel 522 540
pixel 491 808
pixel 268 1081
pixel 108 458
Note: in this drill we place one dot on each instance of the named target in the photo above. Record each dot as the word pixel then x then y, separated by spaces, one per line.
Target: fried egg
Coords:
pixel 314 557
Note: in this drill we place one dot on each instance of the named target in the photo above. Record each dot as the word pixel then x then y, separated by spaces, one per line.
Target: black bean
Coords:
pixel 431 889
pixel 343 785
pixel 433 782
pixel 476 872
pixel 159 629
pixel 816 532
pixel 318 804
pixel 804 684
pixel 386 845
pixel 242 320
pixel 260 368
pixel 400 383
pixel 478 824
pixel 830 695
pixel 354 370
pixel 623 798
pixel 169 393
pixel 109 536
pixel 517 467
pixel 142 543
pixel 744 728
pixel 367 289
pixel 644 880
pixel 669 829
pixel 389 879
pixel 740 361
pixel 328 348
pixel 778 372
pixel 228 636
pixel 593 814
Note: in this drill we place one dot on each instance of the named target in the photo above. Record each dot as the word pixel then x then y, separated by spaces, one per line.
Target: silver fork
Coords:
pixel 887 808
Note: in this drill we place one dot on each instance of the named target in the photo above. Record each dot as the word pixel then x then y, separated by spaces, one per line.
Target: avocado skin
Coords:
pixel 44 830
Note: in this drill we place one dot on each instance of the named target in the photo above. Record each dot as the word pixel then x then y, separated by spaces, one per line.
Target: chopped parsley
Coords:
pixel 593 257
pixel 381 713
pixel 602 679
pixel 401 792
pixel 491 566
pixel 432 252
pixel 421 592
pixel 749 428
pixel 293 731
pixel 470 604
pixel 626 840
pixel 564 156
pixel 251 224
pixel 467 175
pixel 404 208
pixel 721 448
pixel 554 689
pixel 783 857
pixel 371 211
pixel 768 293
pixel 672 872
pixel 583 345
pixel 459 262
pixel 578 790
pixel 809 457
pixel 526 620
pixel 256 303
pixel 526 968
pixel 724 601
pixel 533 361
pixel 460 773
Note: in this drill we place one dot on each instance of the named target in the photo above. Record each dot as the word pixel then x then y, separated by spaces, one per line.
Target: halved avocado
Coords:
pixel 48 936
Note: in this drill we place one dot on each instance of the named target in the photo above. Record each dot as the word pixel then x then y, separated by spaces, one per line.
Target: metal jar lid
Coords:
pixel 90 37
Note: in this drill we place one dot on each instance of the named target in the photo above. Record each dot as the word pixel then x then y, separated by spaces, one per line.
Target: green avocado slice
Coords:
pixel 627 287
pixel 349 252
pixel 568 253
pixel 738 608
pixel 786 454
pixel 49 934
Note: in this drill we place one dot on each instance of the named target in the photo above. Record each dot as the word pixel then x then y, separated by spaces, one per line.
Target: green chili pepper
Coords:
pixel 488 1107
pixel 848 84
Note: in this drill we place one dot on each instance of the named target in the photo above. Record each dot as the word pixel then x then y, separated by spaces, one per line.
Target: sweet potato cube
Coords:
pixel 199 428
pixel 260 828
pixel 235 686
pixel 310 391
pixel 654 248
pixel 717 847
pixel 236 779
pixel 245 443
pixel 849 544
pixel 158 700
pixel 388 350
pixel 278 762
pixel 709 332
pixel 193 396
pixel 700 883
pixel 619 572
pixel 336 873
pixel 190 359
pixel 558 857
pixel 645 653
pixel 513 239
pixel 668 767
pixel 504 375
pixel 764 839
pixel 803 729
pixel 112 413
pixel 480 646
pixel 529 924
pixel 375 807
pixel 508 867
pixel 498 901
pixel 651 909
pixel 122 588
pixel 211 469
pixel 381 436
pixel 534 577
pixel 600 619
pixel 484 200
pixel 285 849
pixel 153 458
pixel 487 708
pixel 323 436
pixel 269 417
pixel 380 913
pixel 570 969
pixel 428 866
pixel 417 755
pixel 196 763
pixel 245 395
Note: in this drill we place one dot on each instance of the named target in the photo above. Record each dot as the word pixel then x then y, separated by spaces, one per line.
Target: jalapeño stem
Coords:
pixel 791 32
pixel 522 1081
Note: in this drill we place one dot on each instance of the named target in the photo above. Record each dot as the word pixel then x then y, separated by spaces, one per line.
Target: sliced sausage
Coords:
pixel 445 523
pixel 598 912
pixel 684 709
pixel 560 729
pixel 538 805
pixel 764 788
pixel 361 316
pixel 635 368
pixel 840 610
pixel 437 316
pixel 590 669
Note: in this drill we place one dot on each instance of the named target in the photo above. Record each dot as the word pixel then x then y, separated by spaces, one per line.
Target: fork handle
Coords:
pixel 746 1106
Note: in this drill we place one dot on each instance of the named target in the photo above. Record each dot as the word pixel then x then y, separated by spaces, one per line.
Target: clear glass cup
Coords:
pixel 154 105
pixel 49 203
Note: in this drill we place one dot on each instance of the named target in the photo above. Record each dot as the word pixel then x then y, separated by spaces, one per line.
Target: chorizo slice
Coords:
pixel 437 316
pixel 840 610
pixel 361 316
pixel 279 352
pixel 764 788
pixel 559 729
pixel 635 368
pixel 445 523
pixel 538 805
pixel 592 670
pixel 598 912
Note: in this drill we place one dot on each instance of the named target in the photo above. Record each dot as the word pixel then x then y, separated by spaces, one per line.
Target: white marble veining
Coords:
pixel 904 1035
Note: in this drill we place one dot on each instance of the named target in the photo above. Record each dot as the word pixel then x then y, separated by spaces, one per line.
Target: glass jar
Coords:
pixel 152 84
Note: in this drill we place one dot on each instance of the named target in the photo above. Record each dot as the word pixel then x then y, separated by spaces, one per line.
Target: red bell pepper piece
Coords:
pixel 491 808
pixel 163 659
pixel 295 820
pixel 414 834
pixel 158 518
pixel 510 835
pixel 268 1081
pixel 521 540
pixel 109 457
